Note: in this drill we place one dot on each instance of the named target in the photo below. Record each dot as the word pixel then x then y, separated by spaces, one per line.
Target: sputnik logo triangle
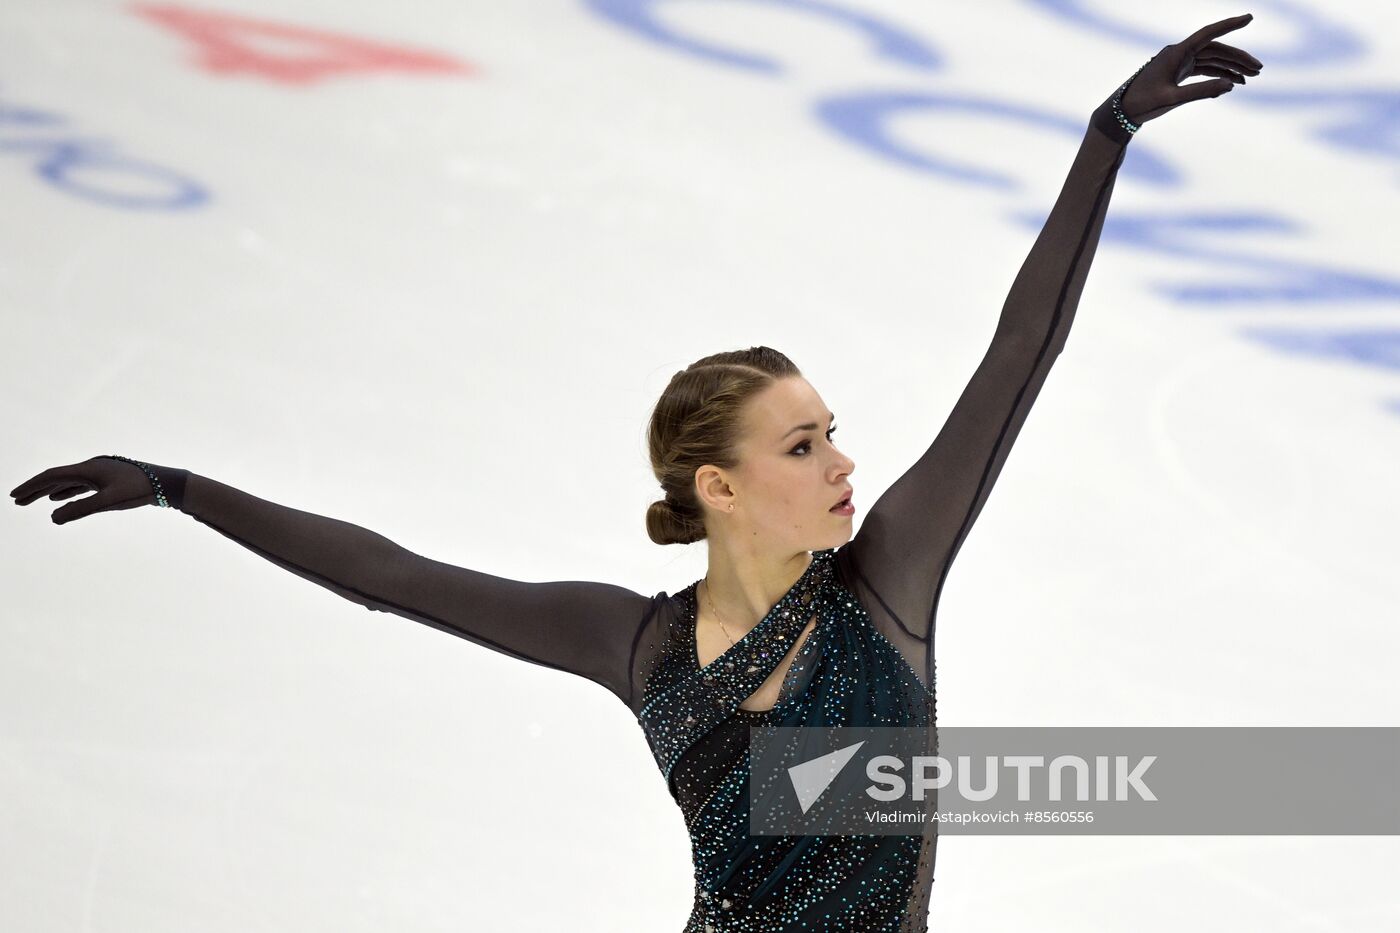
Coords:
pixel 811 778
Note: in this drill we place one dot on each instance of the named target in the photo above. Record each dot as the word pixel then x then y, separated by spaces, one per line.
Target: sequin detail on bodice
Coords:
pixel 845 673
pixel 685 702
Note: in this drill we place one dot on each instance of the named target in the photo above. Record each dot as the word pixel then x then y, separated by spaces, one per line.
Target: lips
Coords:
pixel 844 499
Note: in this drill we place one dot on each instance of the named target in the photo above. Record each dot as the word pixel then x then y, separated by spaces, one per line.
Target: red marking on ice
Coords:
pixel 288 54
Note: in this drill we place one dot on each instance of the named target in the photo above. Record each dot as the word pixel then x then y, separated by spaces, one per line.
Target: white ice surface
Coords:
pixel 441 306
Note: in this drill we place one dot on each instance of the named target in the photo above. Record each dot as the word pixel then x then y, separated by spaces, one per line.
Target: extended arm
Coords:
pixel 914 530
pixel 908 541
pixel 581 627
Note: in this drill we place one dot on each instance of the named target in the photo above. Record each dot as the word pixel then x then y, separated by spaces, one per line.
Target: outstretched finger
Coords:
pixel 1201 36
pixel 36 490
pixel 28 485
pixel 45 480
pixel 1199 90
pixel 1214 72
pixel 1225 61
pixel 1224 65
pixel 59 488
pixel 1220 48
pixel 71 490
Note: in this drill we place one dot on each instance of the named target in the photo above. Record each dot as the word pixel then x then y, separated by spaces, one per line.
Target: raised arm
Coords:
pixel 907 542
pixel 581 627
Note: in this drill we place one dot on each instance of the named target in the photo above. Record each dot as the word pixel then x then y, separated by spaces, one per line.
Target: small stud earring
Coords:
pixel 731 506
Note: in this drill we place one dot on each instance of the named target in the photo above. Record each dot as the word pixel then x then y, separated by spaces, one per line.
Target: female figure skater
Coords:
pixel 796 623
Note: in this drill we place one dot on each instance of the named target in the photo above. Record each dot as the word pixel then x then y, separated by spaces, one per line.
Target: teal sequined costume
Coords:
pixel 845 674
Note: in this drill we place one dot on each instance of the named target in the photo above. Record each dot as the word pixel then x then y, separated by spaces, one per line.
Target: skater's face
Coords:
pixel 790 473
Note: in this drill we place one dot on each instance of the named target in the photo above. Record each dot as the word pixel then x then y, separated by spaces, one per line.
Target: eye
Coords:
pixel 807 445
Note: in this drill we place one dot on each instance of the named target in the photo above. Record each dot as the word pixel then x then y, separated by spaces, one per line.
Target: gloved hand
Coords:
pixel 1156 89
pixel 119 485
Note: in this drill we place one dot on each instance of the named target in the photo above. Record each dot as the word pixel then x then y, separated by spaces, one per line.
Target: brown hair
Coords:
pixel 697 422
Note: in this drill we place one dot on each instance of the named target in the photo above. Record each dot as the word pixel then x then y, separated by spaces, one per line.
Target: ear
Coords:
pixel 713 489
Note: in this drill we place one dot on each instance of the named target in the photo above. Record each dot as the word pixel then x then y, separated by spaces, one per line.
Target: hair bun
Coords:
pixel 665 524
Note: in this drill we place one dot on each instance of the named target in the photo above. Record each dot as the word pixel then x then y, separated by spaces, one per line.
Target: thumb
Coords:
pixel 81 508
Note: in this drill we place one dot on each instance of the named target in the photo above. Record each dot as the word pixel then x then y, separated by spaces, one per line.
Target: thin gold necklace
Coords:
pixel 716 611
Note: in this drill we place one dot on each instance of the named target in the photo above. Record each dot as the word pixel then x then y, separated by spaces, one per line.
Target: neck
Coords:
pixel 744 586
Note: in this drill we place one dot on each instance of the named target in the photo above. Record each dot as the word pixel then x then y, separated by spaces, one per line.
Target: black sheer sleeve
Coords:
pixel 901 555
pixel 585 628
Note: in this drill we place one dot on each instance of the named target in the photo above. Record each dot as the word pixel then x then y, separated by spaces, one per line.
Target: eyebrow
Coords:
pixel 809 426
